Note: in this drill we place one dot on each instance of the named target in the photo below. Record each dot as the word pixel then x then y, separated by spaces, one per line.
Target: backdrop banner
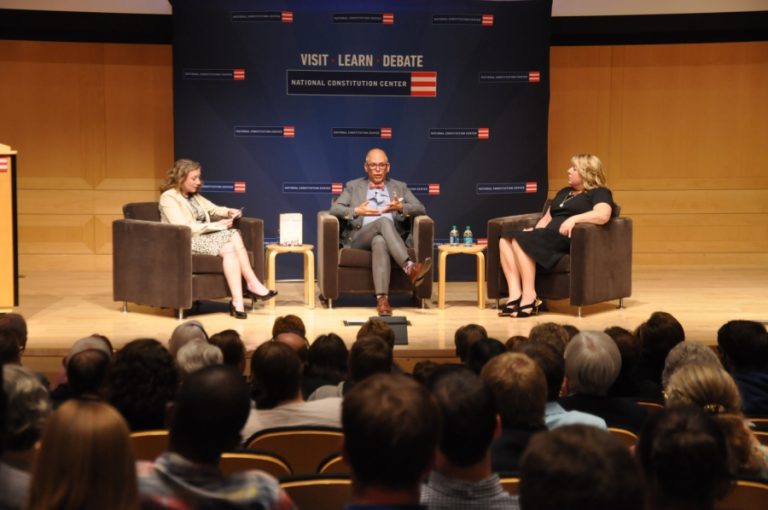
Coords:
pixel 281 100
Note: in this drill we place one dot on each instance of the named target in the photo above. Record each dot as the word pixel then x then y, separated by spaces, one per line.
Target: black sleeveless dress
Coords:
pixel 546 245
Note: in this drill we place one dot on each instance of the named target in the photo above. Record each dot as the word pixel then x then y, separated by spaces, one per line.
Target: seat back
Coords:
pixel 149 444
pixel 147 211
pixel 745 495
pixel 318 492
pixel 303 448
pixel 628 437
pixel 263 461
pixel 510 483
pixel 651 407
pixel 334 463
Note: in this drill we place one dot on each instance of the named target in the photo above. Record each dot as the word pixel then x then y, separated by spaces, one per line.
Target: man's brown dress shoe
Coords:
pixel 419 270
pixel 382 306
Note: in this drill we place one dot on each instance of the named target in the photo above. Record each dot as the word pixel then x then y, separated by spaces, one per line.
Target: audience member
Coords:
pixel 10 348
pixel 85 461
pixel 592 363
pixel 276 383
pixel 515 340
pixel 368 355
pixel 550 333
pixel 142 381
pixel 571 329
pixel 15 323
pixel 656 336
pixel 462 476
pixel 232 348
pixel 482 351
pixel 189 331
pixel 379 327
pixel 627 383
pixel 196 355
pixel 88 367
pixel 205 420
pixel 289 323
pixel 684 458
pixel 744 348
pixel 552 364
pixel 27 407
pixel 520 392
pixel 579 467
pixel 713 390
pixel 328 363
pixel 296 340
pixel 87 373
pixel 465 336
pixel 391 426
pixel 686 353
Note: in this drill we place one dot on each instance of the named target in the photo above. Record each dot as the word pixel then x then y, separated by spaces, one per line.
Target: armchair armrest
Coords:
pixel 328 254
pixel 423 232
pixel 152 263
pixel 252 231
pixel 495 284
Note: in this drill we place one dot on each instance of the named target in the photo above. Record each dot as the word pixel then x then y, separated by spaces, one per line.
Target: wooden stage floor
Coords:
pixel 61 307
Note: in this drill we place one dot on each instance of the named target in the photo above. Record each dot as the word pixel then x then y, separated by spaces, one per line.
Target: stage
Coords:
pixel 61 307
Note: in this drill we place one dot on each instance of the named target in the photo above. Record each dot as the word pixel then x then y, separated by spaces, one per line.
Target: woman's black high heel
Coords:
pixel 533 307
pixel 510 307
pixel 263 297
pixel 234 312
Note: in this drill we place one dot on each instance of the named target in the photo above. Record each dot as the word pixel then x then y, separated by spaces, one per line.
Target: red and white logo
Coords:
pixel 238 74
pixel 483 133
pixel 424 83
pixel 289 131
pixel 386 132
pixel 336 188
pixel 388 18
pixel 482 241
pixel 433 189
pixel 5 164
pixel 534 76
pixel 487 20
pixel 239 186
pixel 286 17
pixel 531 187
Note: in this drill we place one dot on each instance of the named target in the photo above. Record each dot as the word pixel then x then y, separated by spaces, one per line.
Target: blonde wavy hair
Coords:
pixel 178 173
pixel 590 168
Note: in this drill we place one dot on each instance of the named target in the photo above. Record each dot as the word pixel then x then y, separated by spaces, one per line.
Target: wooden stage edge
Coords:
pixel 61 307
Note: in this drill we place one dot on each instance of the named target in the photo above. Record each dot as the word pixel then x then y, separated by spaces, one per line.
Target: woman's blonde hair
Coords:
pixel 178 173
pixel 590 168
pixel 86 461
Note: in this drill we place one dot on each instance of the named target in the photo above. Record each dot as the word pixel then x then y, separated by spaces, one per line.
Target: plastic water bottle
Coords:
pixel 467 236
pixel 453 237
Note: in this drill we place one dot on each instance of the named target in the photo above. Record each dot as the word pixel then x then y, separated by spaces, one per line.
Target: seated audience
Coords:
pixel 713 390
pixel 684 458
pixel 328 357
pixel 85 461
pixel 380 328
pixel 10 348
pixel 232 348
pixel 579 467
pixel 205 420
pixel 552 334
pixel 462 476
pixel 196 355
pixel 27 407
pixel 744 348
pixel 627 384
pixel 296 340
pixel 142 381
pixel 520 392
pixel 88 369
pixel 368 355
pixel 483 351
pixel 592 363
pixel 465 336
pixel 656 336
pixel 571 329
pixel 514 341
pixel 276 389
pixel 189 331
pixel 552 364
pixel 289 323
pixel 391 426
pixel 16 324
pixel 686 353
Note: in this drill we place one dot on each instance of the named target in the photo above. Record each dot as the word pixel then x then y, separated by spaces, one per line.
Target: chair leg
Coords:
pixel 621 303
pixel 579 312
pixel 180 314
pixel 498 305
pixel 125 306
pixel 330 304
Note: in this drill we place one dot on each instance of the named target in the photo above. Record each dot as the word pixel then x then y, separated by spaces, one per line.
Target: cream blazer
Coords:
pixel 175 210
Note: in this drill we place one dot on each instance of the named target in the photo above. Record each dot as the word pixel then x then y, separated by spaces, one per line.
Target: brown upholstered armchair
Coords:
pixel 348 270
pixel 599 267
pixel 153 264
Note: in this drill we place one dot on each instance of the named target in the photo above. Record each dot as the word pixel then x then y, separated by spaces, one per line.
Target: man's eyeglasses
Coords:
pixel 374 166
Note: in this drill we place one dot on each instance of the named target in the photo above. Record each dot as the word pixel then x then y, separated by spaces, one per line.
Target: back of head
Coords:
pixel 743 345
pixel 578 466
pixel 289 323
pixel 295 340
pixel 10 347
pixel 210 410
pixel 519 389
pixel 95 341
pixel 468 414
pixel 27 407
pixel 143 379
pixel 684 457
pixel 551 362
pixel 465 336
pixel 16 323
pixel 657 336
pixel 196 355
pixel 592 363
pixel 550 333
pixel 483 351
pixel 369 355
pixel 629 349
pixel 232 347
pixel 328 358
pixel 184 333
pixel 686 353
pixel 391 424
pixel 87 372
pixel 275 374
pixel 85 461
pixel 377 327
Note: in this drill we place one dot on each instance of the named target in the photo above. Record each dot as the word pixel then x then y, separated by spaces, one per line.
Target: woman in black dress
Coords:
pixel 585 200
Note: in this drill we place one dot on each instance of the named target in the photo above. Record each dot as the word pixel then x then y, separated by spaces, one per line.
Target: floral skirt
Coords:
pixel 210 244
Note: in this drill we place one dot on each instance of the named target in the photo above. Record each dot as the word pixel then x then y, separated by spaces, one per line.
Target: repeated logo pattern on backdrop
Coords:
pixel 280 100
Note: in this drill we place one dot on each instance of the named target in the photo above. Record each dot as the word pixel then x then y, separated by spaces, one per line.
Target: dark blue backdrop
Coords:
pixel 456 92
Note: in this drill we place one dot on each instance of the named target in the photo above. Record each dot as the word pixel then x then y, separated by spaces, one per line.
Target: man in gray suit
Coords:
pixel 378 211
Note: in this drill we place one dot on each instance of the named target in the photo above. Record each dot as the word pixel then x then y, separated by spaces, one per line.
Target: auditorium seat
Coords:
pixel 263 461
pixel 303 448
pixel 334 463
pixel 149 444
pixel 318 492
pixel 510 482
pixel 745 495
pixel 598 268
pixel 628 437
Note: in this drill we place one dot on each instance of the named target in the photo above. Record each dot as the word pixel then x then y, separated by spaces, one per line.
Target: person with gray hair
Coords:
pixel 87 369
pixel 196 355
pixel 184 333
pixel 592 363
pixel 27 407
pixel 686 353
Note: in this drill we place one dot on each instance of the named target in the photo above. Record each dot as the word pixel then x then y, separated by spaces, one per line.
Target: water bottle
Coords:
pixel 467 236
pixel 453 237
